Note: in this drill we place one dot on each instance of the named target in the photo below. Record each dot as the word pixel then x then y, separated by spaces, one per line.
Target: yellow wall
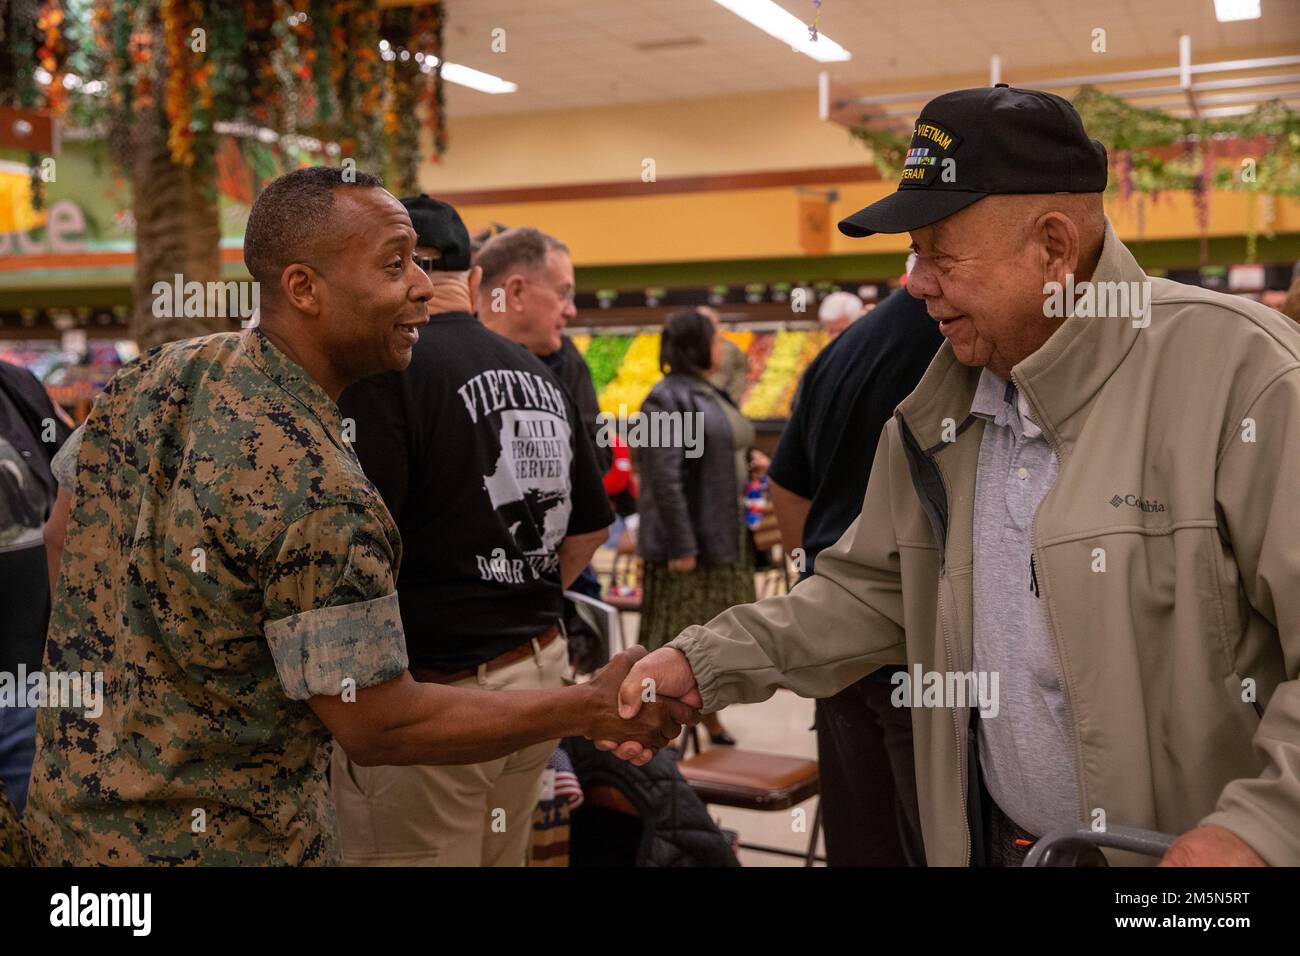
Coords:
pixel 709 135
pixel 763 223
pixel 692 138
pixel 720 135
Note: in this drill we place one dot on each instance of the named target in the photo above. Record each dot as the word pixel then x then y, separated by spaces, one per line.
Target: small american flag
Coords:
pixel 561 783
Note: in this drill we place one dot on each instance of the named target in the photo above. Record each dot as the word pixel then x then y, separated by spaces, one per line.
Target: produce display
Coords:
pixel 625 367
pixel 637 374
pixel 758 352
pixel 772 394
pixel 604 355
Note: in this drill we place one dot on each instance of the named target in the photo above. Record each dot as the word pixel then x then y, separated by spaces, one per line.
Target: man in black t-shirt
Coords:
pixel 486 468
pixel 527 296
pixel 817 480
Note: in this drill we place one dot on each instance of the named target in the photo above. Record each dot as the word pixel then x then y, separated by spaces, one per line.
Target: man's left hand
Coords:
pixel 1210 846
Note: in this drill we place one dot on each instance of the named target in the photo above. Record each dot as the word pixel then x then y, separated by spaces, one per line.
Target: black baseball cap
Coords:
pixel 439 226
pixel 987 141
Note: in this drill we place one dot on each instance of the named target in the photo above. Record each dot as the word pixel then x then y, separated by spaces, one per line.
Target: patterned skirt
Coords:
pixel 674 600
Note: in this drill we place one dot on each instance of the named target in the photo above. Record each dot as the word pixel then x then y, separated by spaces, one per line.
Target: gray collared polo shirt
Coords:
pixel 1027 749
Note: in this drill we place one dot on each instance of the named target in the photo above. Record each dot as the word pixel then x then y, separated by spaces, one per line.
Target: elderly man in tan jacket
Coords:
pixel 1081 531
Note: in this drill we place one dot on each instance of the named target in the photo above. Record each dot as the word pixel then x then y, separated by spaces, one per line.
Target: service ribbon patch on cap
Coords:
pixel 930 146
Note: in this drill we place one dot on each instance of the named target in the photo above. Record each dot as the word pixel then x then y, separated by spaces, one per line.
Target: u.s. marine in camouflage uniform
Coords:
pixel 230 571
pixel 225 559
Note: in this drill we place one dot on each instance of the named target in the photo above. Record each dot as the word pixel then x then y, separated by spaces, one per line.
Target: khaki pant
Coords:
pixel 473 815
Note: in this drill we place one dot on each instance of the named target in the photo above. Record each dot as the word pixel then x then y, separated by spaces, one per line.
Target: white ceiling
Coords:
pixel 568 54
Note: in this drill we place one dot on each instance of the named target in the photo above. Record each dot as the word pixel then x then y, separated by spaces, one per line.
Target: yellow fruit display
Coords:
pixel 638 373
pixel 814 342
pixel 783 366
pixel 630 366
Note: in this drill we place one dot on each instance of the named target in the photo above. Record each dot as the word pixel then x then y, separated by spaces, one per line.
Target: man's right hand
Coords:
pixel 664 673
pixel 641 729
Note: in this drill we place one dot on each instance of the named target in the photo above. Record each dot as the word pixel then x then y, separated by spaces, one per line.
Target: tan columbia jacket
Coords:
pixel 1179 448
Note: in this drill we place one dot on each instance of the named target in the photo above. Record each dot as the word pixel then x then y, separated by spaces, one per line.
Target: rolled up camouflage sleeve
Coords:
pixel 331 604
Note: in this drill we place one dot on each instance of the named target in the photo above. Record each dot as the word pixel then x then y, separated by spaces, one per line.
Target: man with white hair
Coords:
pixel 1080 529
pixel 838 311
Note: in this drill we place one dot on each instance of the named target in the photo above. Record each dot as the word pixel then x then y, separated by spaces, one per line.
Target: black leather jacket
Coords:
pixel 690 504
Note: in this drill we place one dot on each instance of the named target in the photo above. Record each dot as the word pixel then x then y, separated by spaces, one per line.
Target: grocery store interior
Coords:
pixel 687 152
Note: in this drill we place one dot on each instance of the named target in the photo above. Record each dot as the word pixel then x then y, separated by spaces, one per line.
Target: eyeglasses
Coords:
pixel 564 296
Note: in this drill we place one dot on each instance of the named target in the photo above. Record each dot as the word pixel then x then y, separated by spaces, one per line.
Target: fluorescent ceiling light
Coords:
pixel 1226 11
pixel 465 76
pixel 789 29
pixel 451 72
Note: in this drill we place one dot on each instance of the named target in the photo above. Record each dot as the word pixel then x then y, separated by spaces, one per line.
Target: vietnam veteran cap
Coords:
pixel 438 226
pixel 969 144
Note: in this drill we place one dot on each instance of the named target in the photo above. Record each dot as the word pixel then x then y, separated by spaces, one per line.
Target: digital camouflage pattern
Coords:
pixel 13 844
pixel 225 559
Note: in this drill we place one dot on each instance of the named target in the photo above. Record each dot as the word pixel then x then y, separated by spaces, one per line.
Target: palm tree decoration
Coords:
pixel 175 85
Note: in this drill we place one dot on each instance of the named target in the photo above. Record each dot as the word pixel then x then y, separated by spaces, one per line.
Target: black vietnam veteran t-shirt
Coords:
pixel 486 468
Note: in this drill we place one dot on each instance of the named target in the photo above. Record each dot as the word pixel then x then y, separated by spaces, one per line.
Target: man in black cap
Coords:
pixel 1079 533
pixel 484 465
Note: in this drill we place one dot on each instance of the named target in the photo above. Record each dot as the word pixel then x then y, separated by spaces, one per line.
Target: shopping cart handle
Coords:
pixel 1081 846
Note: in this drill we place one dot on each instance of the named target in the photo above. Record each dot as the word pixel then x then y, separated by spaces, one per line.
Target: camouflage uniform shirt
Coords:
pixel 13 842
pixel 226 559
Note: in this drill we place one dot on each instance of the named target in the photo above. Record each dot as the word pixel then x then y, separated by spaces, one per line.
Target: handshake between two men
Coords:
pixel 402 722
pixel 637 715
pixel 664 676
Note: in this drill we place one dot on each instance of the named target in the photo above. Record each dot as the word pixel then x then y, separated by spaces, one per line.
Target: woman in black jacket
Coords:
pixel 692 537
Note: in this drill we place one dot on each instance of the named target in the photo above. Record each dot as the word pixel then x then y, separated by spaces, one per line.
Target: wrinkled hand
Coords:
pixel 758 464
pixel 1210 846
pixel 644 728
pixel 664 673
